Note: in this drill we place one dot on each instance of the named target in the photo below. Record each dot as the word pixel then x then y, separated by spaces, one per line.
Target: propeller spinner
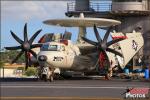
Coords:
pixel 26 45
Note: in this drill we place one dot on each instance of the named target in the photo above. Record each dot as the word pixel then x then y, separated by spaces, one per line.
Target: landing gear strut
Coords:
pixel 46 74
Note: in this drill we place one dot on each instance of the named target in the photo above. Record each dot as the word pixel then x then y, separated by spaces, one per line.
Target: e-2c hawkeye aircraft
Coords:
pixel 53 52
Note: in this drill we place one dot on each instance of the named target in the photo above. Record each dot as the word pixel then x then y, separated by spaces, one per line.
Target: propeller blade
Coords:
pixel 25 33
pixel 97 34
pixel 104 28
pixel 89 41
pixel 36 45
pixel 16 38
pixel 115 52
pixel 33 53
pixel 27 61
pixel 30 63
pixel 113 42
pixel 34 36
pixel 20 53
pixel 106 35
pixel 13 48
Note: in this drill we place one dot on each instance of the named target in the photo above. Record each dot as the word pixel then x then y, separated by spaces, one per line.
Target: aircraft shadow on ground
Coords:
pixel 67 78
pixel 36 79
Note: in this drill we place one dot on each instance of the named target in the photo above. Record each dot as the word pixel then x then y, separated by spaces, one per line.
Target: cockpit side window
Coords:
pixel 53 48
pixel 47 47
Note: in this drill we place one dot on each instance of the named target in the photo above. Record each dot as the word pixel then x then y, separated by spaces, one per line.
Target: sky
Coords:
pixel 14 14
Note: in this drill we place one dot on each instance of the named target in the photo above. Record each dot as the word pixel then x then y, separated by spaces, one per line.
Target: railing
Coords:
pixel 96 7
pixel 99 7
pixel 71 6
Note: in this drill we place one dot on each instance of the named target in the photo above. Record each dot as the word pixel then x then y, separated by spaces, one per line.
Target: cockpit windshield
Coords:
pixel 48 47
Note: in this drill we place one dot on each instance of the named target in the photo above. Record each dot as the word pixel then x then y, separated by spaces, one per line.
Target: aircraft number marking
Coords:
pixel 134 45
pixel 45 70
pixel 56 58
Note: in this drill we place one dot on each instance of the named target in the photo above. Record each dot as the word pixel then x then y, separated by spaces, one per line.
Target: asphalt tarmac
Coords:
pixel 97 89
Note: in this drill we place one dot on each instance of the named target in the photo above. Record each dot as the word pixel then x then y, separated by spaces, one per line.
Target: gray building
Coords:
pixel 134 14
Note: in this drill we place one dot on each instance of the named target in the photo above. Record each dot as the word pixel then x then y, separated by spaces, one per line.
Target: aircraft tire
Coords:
pixel 107 77
pixel 51 78
pixel 44 77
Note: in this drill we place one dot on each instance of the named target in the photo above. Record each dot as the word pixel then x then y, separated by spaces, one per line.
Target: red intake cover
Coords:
pixel 101 59
pixel 119 37
pixel 64 42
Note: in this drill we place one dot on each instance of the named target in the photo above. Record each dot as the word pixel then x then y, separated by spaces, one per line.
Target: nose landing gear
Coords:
pixel 46 74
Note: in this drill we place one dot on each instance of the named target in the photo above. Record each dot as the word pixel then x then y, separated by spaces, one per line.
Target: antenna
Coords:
pixel 81 15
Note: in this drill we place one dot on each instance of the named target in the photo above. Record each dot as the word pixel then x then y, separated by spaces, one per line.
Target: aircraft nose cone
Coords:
pixel 103 46
pixel 42 58
pixel 26 46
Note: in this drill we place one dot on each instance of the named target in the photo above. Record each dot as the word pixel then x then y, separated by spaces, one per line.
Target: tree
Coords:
pixel 1 64
pixel 31 71
pixel 8 56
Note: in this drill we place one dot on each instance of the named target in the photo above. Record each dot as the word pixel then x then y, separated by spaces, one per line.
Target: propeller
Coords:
pixel 102 46
pixel 26 45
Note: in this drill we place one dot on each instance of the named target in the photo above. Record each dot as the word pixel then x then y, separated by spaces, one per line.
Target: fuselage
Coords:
pixel 66 55
pixel 59 54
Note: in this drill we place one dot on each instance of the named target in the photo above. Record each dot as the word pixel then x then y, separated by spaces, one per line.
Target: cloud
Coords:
pixel 27 10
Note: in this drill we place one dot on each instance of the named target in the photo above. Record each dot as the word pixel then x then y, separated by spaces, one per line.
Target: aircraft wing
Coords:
pixel 129 47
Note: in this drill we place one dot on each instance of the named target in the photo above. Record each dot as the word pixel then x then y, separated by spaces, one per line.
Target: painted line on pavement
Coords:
pixel 66 87
pixel 58 98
